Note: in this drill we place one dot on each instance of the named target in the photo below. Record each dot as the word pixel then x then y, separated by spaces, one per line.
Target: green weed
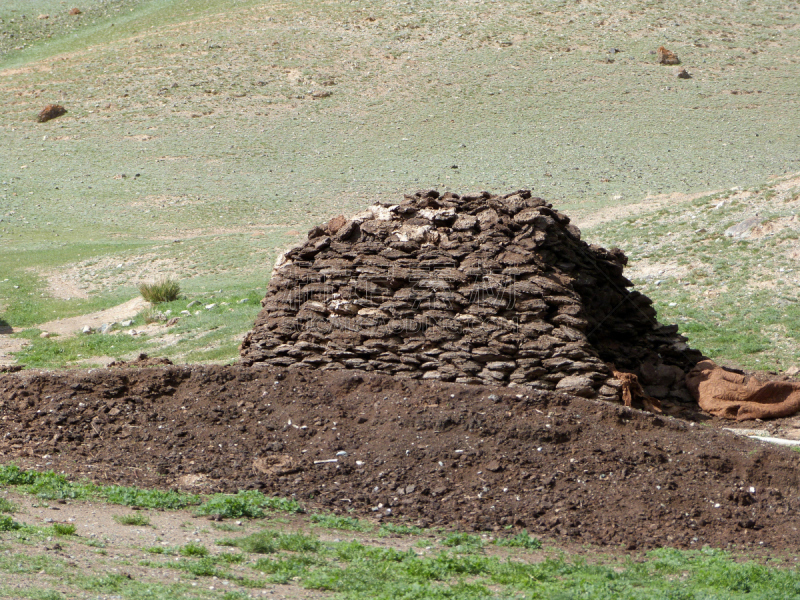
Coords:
pixel 521 540
pixel 193 549
pixel 64 529
pixel 343 523
pixel 6 506
pixel 387 529
pixel 270 542
pixel 8 524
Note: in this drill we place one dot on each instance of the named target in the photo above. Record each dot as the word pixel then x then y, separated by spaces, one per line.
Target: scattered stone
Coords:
pixel 106 327
pixel 86 330
pixel 792 371
pixel 51 111
pixel 478 289
pixel 243 301
pixel 126 323
pixel 45 334
pixel 667 57
pixel 683 74
pixel 42 17
pixel 75 11
pixel 210 306
pixel 321 94
pixel 193 303
pixel 186 313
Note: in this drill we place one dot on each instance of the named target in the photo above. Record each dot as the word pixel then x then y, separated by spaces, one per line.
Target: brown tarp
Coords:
pixel 733 395
pixel 632 392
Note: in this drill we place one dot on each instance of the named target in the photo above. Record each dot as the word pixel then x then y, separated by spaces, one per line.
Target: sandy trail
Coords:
pixel 69 327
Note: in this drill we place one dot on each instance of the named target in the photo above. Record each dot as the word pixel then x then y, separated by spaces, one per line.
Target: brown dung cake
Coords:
pixel 476 288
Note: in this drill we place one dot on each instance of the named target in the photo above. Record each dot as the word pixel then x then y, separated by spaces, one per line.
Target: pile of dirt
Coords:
pixel 430 453
pixel 479 289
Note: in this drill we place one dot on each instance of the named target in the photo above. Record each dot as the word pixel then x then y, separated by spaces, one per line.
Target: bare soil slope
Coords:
pixel 474 457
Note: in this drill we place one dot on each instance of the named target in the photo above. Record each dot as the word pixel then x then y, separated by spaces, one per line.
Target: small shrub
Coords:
pixel 135 519
pixel 64 528
pixel 165 289
pixel 193 549
pixel 6 506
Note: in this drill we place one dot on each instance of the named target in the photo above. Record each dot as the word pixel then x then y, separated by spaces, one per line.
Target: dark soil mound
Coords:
pixel 468 456
pixel 472 289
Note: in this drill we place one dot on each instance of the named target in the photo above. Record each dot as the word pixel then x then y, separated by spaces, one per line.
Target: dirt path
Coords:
pixel 69 327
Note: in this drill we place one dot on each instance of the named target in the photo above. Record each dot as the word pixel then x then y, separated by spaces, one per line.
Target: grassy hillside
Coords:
pixel 204 135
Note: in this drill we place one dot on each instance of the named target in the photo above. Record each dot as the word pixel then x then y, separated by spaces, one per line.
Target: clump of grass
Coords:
pixel 247 503
pixel 137 519
pixel 165 289
pixel 64 528
pixel 521 540
pixel 193 549
pixel 344 523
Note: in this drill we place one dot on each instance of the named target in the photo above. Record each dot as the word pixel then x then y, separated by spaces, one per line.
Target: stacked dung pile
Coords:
pixel 474 289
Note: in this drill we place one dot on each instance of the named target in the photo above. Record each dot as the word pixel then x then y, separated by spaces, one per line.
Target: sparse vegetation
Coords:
pixel 6 506
pixel 343 523
pixel 136 519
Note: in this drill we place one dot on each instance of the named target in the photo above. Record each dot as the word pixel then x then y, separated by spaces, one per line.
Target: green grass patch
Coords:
pixel 64 529
pixel 49 485
pixel 193 549
pixel 520 540
pixel 387 529
pixel 59 352
pixel 270 542
pixel 246 503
